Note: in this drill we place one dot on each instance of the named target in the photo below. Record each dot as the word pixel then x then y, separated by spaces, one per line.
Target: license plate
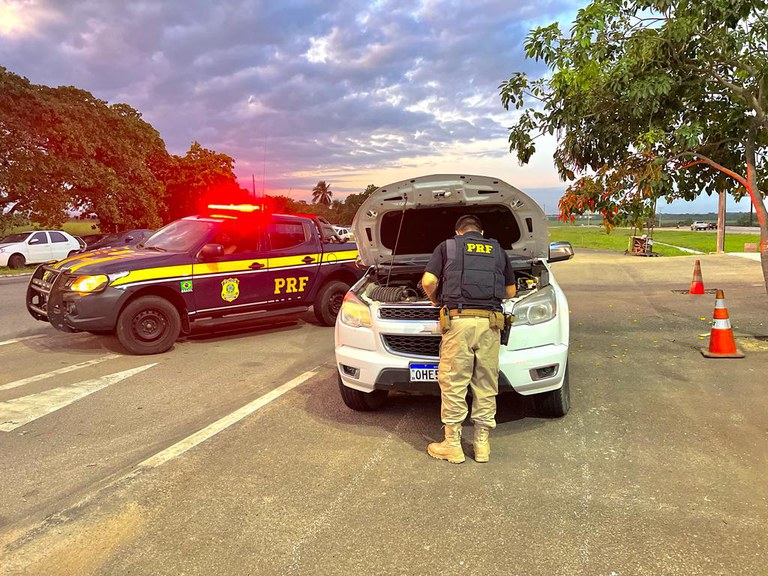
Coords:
pixel 423 372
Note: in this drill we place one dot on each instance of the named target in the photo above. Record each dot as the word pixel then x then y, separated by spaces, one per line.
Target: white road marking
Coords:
pixel 15 340
pixel 56 372
pixel 21 411
pixel 223 423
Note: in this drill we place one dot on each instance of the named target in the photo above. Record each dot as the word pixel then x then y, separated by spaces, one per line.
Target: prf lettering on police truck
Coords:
pixel 288 285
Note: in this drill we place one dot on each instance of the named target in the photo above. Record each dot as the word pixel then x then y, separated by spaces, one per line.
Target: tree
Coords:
pixel 650 99
pixel 63 151
pixel 352 203
pixel 321 193
pixel 198 178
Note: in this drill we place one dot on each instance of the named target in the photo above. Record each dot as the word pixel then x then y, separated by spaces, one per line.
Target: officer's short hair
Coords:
pixel 468 223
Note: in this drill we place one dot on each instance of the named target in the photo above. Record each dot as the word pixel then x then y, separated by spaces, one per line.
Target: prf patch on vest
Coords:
pixel 478 248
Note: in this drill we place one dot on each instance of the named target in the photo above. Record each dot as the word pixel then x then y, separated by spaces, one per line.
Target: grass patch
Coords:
pixel 74 227
pixel 618 240
pixel 17 272
pixel 705 241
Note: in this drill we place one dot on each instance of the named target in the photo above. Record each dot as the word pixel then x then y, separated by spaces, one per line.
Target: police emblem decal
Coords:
pixel 186 286
pixel 229 289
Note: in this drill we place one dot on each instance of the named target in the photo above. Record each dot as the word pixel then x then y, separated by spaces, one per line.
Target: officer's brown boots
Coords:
pixel 481 443
pixel 450 448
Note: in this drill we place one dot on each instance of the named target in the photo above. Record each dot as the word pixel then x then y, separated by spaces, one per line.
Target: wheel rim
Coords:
pixel 335 302
pixel 149 325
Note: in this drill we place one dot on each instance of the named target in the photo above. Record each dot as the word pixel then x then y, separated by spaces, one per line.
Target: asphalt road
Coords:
pixel 659 467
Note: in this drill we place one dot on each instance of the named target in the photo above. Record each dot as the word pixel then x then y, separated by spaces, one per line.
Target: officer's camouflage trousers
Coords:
pixel 469 357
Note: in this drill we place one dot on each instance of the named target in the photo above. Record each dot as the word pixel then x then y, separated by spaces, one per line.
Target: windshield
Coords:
pixel 12 238
pixel 180 236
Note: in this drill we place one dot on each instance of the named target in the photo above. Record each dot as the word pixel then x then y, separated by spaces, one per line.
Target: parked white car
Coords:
pixel 17 250
pixel 344 233
pixel 387 334
pixel 701 225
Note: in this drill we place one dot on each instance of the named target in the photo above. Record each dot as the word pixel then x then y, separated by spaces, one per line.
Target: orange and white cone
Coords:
pixel 721 341
pixel 697 284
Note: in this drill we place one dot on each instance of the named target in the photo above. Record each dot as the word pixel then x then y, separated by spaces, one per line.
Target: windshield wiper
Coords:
pixel 155 248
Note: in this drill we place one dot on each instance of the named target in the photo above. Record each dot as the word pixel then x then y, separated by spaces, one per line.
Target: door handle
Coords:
pixel 308 259
pixel 256 266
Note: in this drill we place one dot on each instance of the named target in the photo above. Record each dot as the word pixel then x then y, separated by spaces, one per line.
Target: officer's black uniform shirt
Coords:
pixel 439 258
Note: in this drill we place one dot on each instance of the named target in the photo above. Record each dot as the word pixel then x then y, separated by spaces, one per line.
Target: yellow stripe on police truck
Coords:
pixel 287 261
pixel 234 266
pixel 93 259
pixel 154 274
pixel 340 256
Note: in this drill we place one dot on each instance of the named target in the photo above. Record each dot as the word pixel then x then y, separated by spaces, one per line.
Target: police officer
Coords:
pixel 469 276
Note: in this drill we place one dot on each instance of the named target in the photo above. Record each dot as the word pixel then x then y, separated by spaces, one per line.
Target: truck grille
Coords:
pixel 413 345
pixel 408 313
pixel 40 288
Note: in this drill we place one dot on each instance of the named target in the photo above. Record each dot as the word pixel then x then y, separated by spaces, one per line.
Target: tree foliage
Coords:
pixel 65 152
pixel 337 213
pixel 198 178
pixel 650 99
pixel 321 193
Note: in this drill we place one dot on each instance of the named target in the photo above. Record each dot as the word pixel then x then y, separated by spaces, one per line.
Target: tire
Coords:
pixel 16 261
pixel 148 325
pixel 328 302
pixel 71 253
pixel 362 401
pixel 554 404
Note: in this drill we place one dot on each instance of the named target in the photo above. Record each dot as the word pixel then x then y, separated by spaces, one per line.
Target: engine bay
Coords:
pixel 402 283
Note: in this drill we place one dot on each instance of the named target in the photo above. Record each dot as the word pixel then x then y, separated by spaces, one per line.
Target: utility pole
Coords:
pixel 721 221
pixel 253 178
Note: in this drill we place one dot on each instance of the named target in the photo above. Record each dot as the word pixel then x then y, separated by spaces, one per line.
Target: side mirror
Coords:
pixel 211 251
pixel 128 239
pixel 34 241
pixel 560 251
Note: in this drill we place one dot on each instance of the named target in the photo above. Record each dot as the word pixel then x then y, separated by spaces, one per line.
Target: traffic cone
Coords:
pixel 721 341
pixel 697 284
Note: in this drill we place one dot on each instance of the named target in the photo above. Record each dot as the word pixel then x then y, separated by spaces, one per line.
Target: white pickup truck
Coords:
pixel 387 332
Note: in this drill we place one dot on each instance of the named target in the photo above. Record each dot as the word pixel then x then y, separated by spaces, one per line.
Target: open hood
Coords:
pixel 408 219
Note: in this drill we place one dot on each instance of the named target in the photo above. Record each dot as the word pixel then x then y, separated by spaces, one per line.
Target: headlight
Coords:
pixel 354 312
pixel 89 283
pixel 536 308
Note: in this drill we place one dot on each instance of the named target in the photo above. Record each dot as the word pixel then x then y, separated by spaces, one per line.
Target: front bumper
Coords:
pixel 68 311
pixel 518 370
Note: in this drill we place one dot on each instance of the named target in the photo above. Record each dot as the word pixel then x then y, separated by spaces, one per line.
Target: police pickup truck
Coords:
pixel 231 262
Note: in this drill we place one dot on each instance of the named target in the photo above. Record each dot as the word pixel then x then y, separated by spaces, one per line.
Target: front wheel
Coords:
pixel 148 325
pixel 362 401
pixel 556 403
pixel 16 261
pixel 328 302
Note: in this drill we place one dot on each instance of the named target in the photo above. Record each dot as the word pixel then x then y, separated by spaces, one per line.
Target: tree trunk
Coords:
pixel 721 222
pixel 759 205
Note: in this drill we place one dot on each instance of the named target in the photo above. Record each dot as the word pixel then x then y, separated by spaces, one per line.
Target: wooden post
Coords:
pixel 721 222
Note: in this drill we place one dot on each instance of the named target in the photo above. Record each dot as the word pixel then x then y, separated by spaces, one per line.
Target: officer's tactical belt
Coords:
pixel 470 312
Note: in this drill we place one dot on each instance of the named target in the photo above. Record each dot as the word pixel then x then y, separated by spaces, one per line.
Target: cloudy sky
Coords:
pixel 352 92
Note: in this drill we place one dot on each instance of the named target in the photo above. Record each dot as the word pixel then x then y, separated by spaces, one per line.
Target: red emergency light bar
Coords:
pixel 235 207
